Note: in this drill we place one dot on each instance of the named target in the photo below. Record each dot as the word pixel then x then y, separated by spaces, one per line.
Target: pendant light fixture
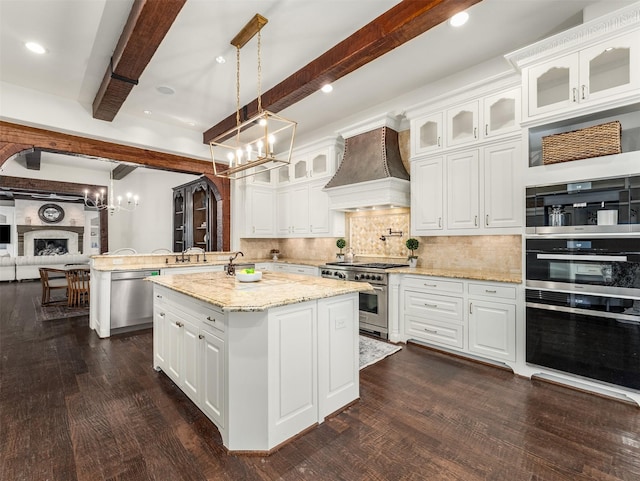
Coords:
pixel 265 139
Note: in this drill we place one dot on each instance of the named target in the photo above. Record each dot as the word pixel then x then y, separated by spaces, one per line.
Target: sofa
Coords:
pixel 27 267
pixel 7 268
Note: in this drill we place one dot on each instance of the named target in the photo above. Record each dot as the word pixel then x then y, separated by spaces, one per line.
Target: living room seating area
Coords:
pixel 28 267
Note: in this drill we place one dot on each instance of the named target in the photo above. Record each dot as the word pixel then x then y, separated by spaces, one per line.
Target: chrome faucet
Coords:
pixel 231 269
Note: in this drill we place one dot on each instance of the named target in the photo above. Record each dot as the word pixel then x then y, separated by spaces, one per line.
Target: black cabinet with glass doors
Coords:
pixel 197 214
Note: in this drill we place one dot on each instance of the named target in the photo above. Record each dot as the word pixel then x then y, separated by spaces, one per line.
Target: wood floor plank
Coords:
pixel 74 407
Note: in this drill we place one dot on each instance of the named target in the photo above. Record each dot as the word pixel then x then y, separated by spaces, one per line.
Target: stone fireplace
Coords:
pixel 30 238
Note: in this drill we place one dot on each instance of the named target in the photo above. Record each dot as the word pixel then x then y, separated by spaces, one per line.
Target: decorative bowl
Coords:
pixel 256 276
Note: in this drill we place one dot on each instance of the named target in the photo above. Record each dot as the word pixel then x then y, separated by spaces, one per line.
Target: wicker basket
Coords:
pixel 603 139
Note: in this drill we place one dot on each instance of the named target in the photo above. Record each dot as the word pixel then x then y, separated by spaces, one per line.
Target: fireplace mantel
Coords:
pixel 22 229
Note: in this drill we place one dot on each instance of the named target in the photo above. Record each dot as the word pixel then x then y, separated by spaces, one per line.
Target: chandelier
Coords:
pixel 98 200
pixel 265 139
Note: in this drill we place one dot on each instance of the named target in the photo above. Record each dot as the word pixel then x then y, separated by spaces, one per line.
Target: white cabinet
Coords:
pixel 427 190
pixel 191 358
pixel 433 311
pixel 481 188
pixel 295 269
pixel 283 212
pixel 213 376
pixel 260 212
pixel 501 113
pixel 426 134
pixel 492 324
pixel 462 124
pixel 607 71
pixel 503 192
pixel 463 173
pixel 300 209
pixel 308 163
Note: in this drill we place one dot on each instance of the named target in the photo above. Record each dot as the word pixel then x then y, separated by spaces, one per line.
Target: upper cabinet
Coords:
pixel 481 118
pixel 310 162
pixel 596 74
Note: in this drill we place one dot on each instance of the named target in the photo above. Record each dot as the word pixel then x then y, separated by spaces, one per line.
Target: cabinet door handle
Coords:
pixel 200 336
pixel 486 220
pixel 439 222
pixel 254 229
pixel 471 308
pixel 432 331
pixel 161 314
pixel 434 306
pixel 486 130
pixel 574 92
pixel 475 132
pixel 179 324
pixel 584 92
pixel 158 296
pixel 439 142
pixel 212 319
pixel 475 221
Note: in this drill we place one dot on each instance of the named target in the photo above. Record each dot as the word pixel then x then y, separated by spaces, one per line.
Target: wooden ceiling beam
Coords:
pixel 398 25
pixel 148 23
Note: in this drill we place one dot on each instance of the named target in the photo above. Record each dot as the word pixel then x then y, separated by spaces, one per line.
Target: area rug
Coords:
pixel 372 351
pixel 52 312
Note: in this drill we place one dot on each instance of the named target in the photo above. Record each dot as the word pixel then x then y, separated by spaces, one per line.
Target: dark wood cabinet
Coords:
pixel 197 216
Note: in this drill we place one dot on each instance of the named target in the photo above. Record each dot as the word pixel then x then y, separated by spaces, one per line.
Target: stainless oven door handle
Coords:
pixel 584 312
pixel 381 289
pixel 577 257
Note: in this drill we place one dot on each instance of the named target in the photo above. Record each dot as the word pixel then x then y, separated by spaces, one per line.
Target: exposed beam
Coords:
pixel 33 160
pixel 122 170
pixel 403 22
pixel 148 23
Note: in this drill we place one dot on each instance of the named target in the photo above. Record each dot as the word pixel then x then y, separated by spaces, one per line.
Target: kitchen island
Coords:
pixel 265 361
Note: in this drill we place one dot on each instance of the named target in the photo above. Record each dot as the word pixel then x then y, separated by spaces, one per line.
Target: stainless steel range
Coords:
pixel 374 317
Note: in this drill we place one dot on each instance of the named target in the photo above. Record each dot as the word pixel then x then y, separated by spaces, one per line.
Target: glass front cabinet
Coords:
pixel 197 216
pixel 594 74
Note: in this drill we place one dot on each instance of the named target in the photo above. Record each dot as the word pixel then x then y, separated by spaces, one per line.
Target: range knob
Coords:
pixel 357 277
pixel 379 278
pixel 342 275
pixel 368 276
pixel 336 274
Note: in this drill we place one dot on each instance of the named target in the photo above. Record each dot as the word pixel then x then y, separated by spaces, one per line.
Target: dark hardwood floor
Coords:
pixel 75 407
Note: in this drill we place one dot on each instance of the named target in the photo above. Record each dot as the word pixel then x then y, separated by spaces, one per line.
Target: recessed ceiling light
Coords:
pixel 326 88
pixel 147 112
pixel 166 90
pixel 35 47
pixel 221 59
pixel 459 19
pixel 190 123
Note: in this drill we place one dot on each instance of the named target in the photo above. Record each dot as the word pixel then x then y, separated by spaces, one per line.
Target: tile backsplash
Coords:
pixel 498 253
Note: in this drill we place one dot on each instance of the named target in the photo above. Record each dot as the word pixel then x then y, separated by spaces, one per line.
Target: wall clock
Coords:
pixel 51 213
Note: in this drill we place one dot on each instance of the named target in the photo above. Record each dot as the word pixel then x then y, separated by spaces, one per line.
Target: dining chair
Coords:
pixel 50 282
pixel 78 280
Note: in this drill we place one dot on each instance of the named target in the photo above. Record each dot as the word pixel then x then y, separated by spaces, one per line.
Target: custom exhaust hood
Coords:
pixel 371 173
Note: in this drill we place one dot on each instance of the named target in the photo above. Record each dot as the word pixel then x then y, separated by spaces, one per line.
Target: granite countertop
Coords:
pixel 473 274
pixel 275 289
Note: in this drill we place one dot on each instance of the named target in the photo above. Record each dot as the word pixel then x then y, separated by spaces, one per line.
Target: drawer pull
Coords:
pixel 212 319
pixel 179 324
pixel 158 296
pixel 161 314
pixel 200 336
pixel 435 306
pixel 490 291
pixel 430 285
pixel 431 331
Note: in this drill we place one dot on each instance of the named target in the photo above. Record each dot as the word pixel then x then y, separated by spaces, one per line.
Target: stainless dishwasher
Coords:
pixel 132 299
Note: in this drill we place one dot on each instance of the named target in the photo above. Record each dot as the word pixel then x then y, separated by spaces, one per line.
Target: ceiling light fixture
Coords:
pixel 35 48
pixel 221 59
pixel 146 112
pixel 326 88
pixel 459 19
pixel 165 89
pixel 263 139
pixel 98 200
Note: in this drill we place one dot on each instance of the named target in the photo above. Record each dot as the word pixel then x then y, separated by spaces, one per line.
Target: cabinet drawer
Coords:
pixel 491 290
pixel 433 306
pixel 431 284
pixel 206 315
pixel 434 331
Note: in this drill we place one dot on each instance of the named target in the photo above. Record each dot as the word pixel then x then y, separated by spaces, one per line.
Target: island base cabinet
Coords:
pixel 338 360
pixel 213 378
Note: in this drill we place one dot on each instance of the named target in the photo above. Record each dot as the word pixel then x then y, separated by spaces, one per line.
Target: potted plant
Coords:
pixel 340 243
pixel 412 244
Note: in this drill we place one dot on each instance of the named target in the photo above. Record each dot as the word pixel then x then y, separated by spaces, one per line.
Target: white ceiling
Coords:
pixel 80 35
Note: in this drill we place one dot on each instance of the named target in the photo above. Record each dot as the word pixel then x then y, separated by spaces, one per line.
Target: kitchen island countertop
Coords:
pixel 273 290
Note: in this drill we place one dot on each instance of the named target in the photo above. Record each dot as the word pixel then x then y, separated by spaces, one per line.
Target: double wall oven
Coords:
pixel 373 311
pixel 583 281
